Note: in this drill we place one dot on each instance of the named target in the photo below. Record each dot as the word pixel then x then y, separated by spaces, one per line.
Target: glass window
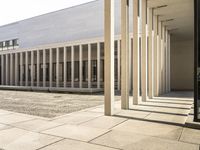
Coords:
pixel 15 42
pixel 7 43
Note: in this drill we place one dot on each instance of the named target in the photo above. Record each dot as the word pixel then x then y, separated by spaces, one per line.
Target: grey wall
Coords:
pixel 76 23
pixel 182 64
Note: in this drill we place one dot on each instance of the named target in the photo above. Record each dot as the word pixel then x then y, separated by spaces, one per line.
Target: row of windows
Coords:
pixel 9 44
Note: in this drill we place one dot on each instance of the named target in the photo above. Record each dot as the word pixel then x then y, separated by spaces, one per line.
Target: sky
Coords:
pixel 15 10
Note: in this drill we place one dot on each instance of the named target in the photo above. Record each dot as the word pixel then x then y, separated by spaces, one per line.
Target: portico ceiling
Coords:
pixel 177 15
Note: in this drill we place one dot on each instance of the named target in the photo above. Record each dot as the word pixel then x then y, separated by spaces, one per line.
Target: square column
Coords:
pixel 98 65
pixel 156 79
pixel 32 61
pixel 65 65
pixel 151 53
pixel 7 74
pixel 109 57
pixel 2 69
pixel 21 69
pixel 57 66
pixel 89 66
pixel 80 66
pixel 119 65
pixel 38 68
pixel 72 67
pixel 163 59
pixel 26 64
pixel 144 53
pixel 50 67
pixel 44 68
pixel 11 69
pixel 125 54
pixel 136 57
pixel 159 56
pixel 16 70
pixel 169 63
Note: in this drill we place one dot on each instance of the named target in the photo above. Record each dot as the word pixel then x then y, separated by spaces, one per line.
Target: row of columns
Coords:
pixel 11 63
pixel 152 56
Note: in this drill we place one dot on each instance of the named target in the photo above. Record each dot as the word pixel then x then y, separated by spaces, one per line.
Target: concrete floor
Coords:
pixel 89 129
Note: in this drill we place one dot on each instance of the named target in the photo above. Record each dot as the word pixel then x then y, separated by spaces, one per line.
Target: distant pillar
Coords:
pixel 109 57
pixel 119 65
pixel 50 67
pixel 159 56
pixel 2 70
pixel 57 66
pixel 11 69
pixel 21 69
pixel 72 67
pixel 26 64
pixel 65 65
pixel 98 65
pixel 89 66
pixel 44 68
pixel 38 68
pixel 7 74
pixel 80 66
pixel 125 54
pixel 16 69
pixel 32 63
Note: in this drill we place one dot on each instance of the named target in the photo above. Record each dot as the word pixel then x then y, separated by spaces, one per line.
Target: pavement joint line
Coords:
pixel 105 146
pixel 164 106
pixel 148 115
pixel 99 136
pixel 50 144
pixel 119 123
pixel 159 112
pixel 179 139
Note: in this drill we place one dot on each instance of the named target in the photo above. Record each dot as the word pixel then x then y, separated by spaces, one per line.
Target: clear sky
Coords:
pixel 15 10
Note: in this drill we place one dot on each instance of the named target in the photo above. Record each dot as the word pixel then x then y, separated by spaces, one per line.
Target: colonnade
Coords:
pixel 150 53
pixel 72 66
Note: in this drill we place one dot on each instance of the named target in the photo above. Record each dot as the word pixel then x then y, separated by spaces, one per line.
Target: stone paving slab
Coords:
pixel 132 114
pixel 151 129
pixel 14 118
pixel 168 118
pixel 75 132
pixel 3 127
pixel 18 139
pixel 77 118
pixel 75 145
pixel 190 136
pixel 36 125
pixel 104 122
pixel 130 141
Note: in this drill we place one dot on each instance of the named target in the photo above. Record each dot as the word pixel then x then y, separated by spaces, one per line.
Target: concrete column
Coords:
pixel 136 57
pixel 98 65
pixel 166 37
pixel 163 59
pixel 169 63
pixel 38 68
pixel 11 69
pixel 80 66
pixel 125 54
pixel 50 67
pixel 16 69
pixel 26 64
pixel 32 63
pixel 65 65
pixel 72 67
pixel 144 53
pixel 156 90
pixel 159 56
pixel 109 57
pixel 151 53
pixel 89 66
pixel 119 65
pixel 57 66
pixel 7 74
pixel 2 69
pixel 44 68
pixel 21 69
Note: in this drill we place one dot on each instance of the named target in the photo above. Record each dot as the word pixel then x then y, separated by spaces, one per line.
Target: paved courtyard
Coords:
pixel 47 104
pixel 141 128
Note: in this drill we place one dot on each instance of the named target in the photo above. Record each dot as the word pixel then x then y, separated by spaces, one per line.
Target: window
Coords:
pixel 1 45
pixel 15 42
pixel 7 44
